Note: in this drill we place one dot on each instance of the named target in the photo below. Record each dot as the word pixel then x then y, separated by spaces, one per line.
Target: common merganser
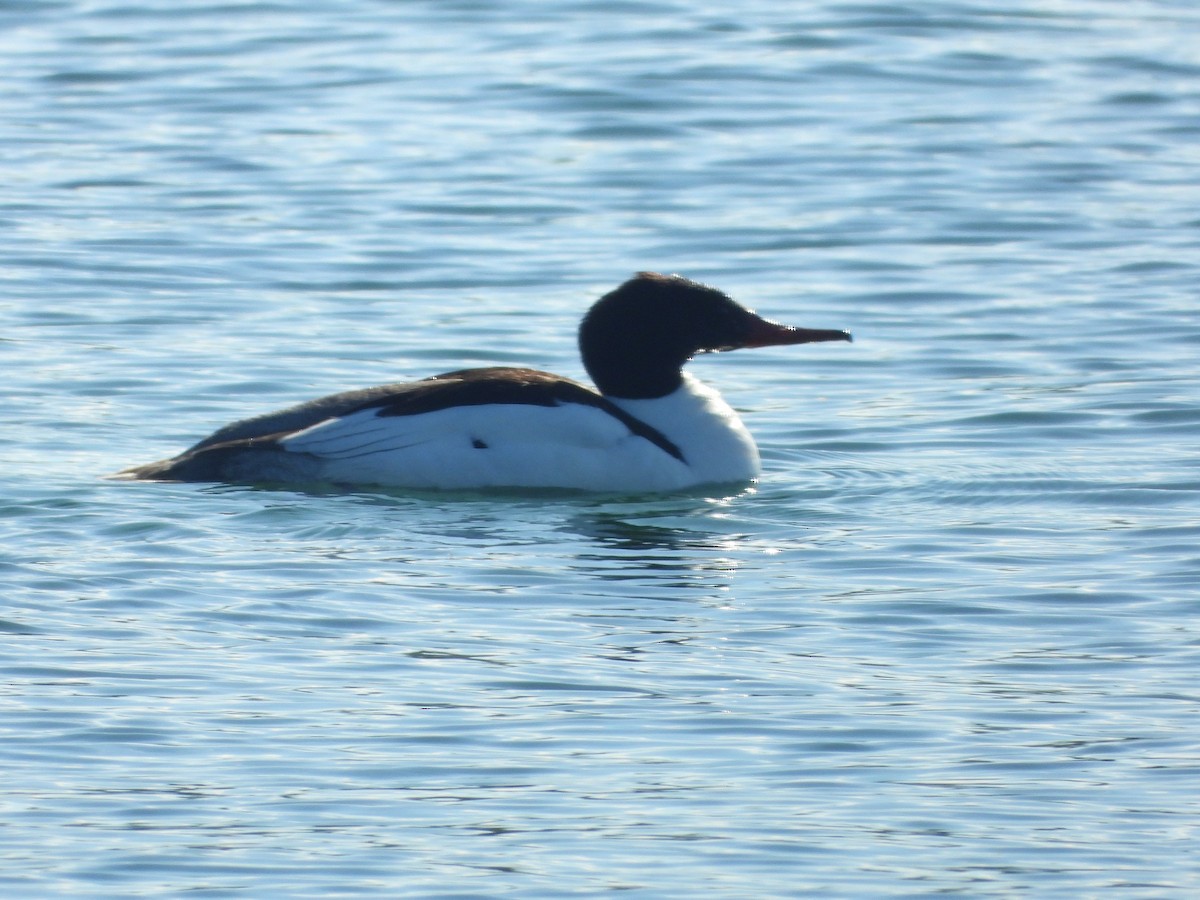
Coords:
pixel 650 427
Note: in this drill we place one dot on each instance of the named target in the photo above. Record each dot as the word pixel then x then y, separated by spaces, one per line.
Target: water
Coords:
pixel 947 646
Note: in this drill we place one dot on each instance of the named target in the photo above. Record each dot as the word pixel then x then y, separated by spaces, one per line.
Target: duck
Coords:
pixel 647 426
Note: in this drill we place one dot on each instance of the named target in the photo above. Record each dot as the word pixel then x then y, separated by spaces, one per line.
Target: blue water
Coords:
pixel 949 645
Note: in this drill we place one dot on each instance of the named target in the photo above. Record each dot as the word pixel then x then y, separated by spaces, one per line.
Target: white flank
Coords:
pixel 568 446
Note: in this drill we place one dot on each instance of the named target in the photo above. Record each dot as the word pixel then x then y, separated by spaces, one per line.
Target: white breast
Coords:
pixel 717 446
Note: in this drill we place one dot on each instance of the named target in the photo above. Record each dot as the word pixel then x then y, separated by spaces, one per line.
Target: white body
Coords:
pixel 566 446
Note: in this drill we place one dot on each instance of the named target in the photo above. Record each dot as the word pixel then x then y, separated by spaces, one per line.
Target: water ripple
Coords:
pixel 946 641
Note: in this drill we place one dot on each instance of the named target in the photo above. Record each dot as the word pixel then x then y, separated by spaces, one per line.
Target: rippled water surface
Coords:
pixel 948 645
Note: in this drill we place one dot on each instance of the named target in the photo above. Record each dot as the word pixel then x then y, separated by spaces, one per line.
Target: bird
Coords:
pixel 647 427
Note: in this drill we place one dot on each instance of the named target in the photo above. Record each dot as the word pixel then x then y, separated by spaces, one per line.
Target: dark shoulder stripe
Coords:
pixel 638 427
pixel 500 385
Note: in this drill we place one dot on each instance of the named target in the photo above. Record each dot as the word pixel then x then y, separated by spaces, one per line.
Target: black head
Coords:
pixel 635 340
